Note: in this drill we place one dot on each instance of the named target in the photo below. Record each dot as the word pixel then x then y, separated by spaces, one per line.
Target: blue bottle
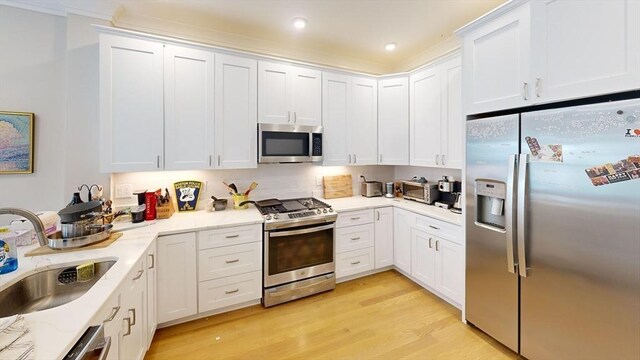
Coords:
pixel 8 252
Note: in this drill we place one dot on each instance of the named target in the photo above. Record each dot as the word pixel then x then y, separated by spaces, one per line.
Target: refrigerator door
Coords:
pixel 491 289
pixel 581 296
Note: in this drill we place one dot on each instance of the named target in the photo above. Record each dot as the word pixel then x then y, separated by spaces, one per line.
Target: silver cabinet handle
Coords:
pixel 437 242
pixel 295 117
pixel 158 161
pixel 537 87
pixel 437 159
pixel 355 238
pixel 232 236
pixel 443 159
pixel 218 160
pixel 153 261
pixel 140 272
pixel 434 227
pixel 210 160
pixel 288 116
pixel 522 206
pixel 380 158
pixel 104 347
pixel 232 261
pixel 355 160
pixel 508 213
pixel 524 91
pixel 114 312
pixel 430 243
pixel 232 291
pixel 128 326
pixel 133 312
pixel 349 158
pixel 355 218
pixel 355 262
pixel 378 215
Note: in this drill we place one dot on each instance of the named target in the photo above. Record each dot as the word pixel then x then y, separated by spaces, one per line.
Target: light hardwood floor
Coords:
pixel 383 316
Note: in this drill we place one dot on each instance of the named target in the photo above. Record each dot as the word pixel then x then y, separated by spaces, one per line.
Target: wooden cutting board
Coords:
pixel 45 250
pixel 337 186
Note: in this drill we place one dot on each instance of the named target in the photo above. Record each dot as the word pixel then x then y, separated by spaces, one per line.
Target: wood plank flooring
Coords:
pixel 383 316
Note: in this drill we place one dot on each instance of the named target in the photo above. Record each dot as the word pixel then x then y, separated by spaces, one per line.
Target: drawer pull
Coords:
pixel 153 261
pixel 133 312
pixel 114 312
pixel 232 261
pixel 355 238
pixel 232 291
pixel 140 272
pixel 355 218
pixel 232 236
pixel 128 327
pixel 355 262
pixel 437 242
pixel 434 227
pixel 429 243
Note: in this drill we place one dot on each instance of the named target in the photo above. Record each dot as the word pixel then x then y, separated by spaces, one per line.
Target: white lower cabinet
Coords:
pixel 423 264
pixel 231 290
pixel 152 294
pixel 383 233
pixel 133 332
pixel 403 220
pixel 177 277
pixel 110 315
pixel 354 262
pixel 450 269
pixel 355 241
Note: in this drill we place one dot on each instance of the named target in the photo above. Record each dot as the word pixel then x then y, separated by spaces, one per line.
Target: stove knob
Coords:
pixel 276 216
pixel 324 211
pixel 330 210
pixel 268 217
pixel 318 211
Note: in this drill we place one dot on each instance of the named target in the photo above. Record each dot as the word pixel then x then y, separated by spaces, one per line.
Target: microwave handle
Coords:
pixel 310 144
pixel 301 231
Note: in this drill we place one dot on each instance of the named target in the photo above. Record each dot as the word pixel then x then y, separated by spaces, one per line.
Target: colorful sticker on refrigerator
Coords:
pixel 544 153
pixel 611 173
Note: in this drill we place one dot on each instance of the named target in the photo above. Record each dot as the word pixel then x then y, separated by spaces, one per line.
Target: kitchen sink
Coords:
pixel 49 288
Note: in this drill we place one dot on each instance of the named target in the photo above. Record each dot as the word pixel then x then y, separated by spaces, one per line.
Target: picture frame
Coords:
pixel 16 142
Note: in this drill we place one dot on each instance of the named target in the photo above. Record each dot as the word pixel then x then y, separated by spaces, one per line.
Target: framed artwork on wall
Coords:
pixel 16 142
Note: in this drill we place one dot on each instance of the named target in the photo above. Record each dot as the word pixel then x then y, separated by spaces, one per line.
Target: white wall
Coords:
pixel 274 180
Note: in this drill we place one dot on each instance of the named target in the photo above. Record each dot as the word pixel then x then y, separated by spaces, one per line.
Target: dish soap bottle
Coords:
pixel 8 252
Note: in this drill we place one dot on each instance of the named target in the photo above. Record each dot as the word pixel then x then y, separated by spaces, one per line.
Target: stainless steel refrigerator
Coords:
pixel 553 230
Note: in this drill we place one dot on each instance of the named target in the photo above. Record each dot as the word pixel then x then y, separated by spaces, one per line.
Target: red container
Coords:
pixel 150 202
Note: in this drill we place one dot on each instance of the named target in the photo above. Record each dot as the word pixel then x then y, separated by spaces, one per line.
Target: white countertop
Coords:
pixel 55 330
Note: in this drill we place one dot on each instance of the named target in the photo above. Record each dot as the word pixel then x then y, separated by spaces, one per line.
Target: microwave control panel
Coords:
pixel 316 149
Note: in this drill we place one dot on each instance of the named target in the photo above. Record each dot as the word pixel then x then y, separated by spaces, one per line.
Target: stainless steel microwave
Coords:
pixel 289 143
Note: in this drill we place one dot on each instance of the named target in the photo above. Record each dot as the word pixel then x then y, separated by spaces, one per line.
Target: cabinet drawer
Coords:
pixel 354 262
pixel 354 237
pixel 439 228
pixel 215 294
pixel 229 260
pixel 235 235
pixel 354 218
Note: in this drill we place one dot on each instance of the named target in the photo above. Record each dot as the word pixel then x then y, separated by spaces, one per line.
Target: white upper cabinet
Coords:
pixel 363 129
pixel 236 112
pixel 188 108
pixel 335 95
pixel 532 52
pixel 584 48
pixel 289 94
pixel 435 136
pixel 393 121
pixel 131 101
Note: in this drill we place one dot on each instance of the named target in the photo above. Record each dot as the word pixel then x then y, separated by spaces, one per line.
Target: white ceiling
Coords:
pixel 352 28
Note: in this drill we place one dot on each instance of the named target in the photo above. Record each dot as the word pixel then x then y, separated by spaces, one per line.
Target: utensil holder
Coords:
pixel 237 199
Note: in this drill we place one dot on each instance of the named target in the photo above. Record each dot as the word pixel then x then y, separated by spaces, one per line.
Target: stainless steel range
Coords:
pixel 299 249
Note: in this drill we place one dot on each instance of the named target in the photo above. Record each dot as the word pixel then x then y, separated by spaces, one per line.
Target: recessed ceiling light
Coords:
pixel 300 23
pixel 390 46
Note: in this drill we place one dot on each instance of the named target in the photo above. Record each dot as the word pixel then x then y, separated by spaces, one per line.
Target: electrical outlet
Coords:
pixel 123 191
pixel 319 180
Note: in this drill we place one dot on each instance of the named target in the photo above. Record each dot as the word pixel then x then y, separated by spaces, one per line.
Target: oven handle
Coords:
pixel 273 234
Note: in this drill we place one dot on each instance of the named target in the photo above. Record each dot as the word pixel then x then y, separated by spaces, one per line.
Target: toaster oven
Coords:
pixel 421 192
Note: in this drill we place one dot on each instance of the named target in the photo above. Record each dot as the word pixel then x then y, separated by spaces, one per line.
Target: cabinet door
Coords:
pixel 393 121
pixel 403 221
pixel 306 98
pixel 131 102
pixel 189 104
pixel 383 237
pixel 335 94
pixel 236 102
pixel 132 337
pixel 363 121
pixel 152 294
pixel 452 118
pixel 425 114
pixel 584 48
pixel 274 93
pixel 177 277
pixel 423 257
pixel 496 63
pixel 450 269
pixel 111 316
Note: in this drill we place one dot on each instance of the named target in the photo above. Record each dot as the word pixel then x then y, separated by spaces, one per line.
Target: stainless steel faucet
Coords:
pixel 38 227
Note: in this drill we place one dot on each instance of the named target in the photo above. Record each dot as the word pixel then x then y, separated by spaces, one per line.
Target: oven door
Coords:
pixel 298 253
pixel 289 143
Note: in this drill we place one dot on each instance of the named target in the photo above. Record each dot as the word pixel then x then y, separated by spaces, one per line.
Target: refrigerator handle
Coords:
pixel 522 197
pixel 509 211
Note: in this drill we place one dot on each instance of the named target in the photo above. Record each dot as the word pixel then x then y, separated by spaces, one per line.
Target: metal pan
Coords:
pixel 80 212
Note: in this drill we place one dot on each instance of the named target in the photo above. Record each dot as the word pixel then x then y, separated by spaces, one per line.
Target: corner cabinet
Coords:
pixel 350 115
pixel 436 116
pixel 550 50
pixel 393 121
pixel 289 94
pixel 131 104
pixel 383 231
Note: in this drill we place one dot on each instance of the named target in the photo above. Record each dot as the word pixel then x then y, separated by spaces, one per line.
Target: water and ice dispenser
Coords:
pixel 490 198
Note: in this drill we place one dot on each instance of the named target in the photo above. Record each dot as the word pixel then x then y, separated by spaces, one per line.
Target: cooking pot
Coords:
pixel 80 212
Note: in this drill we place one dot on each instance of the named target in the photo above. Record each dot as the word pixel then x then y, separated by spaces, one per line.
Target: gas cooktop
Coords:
pixel 296 212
